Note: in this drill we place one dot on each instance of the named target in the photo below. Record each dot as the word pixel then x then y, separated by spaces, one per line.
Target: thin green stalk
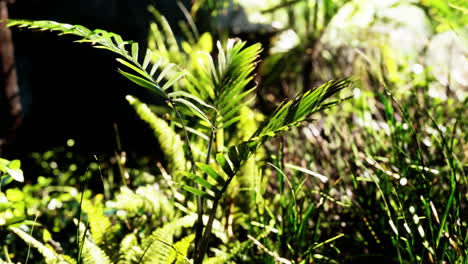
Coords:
pixel 453 182
pixel 80 249
pixel 201 251
pixel 7 255
pixel 199 227
pixel 199 224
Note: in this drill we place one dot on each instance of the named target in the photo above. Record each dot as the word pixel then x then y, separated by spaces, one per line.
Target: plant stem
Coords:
pixel 199 227
pixel 7 255
pixel 203 244
pixel 199 224
pixel 179 116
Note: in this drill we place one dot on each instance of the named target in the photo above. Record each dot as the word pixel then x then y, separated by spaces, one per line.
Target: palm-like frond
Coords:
pixel 141 73
pixel 136 69
pixel 222 82
pixel 288 114
pixel 291 113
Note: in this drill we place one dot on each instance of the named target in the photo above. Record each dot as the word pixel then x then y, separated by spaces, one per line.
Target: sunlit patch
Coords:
pixel 421 231
pixel 286 41
pixel 436 92
pixel 427 141
pixel 407 228
pixel 403 181
pixel 417 68
pixel 54 204
pixel 416 219
pixel 356 92
pixel 53 165
pixel 70 143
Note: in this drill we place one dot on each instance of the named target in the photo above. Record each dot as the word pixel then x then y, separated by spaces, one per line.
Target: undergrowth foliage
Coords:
pixel 214 94
pixel 382 179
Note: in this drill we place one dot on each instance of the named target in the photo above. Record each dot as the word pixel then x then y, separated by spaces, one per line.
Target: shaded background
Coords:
pixel 71 90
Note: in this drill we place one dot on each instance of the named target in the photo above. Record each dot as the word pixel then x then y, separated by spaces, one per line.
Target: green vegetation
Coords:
pixel 378 174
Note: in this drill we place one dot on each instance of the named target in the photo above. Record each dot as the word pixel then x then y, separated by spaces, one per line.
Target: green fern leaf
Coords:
pixel 159 247
pixel 129 249
pixel 145 201
pixel 169 141
pixel 89 252
pixel 100 224
pixel 51 257
pixel 92 254
pixel 181 249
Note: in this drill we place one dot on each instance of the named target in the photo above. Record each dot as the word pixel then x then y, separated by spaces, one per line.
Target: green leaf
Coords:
pixel 224 163
pixel 174 79
pixel 14 164
pixel 321 177
pixel 16 174
pixel 155 66
pixel 135 52
pixel 5 179
pixel 234 156
pixel 12 168
pixel 198 192
pixel 230 122
pixel 164 72
pixel 190 96
pixel 148 56
pixel 136 69
pixel 201 181
pixel 211 172
pixel 194 109
pixel 144 83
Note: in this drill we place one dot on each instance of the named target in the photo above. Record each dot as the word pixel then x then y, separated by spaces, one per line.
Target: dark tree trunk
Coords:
pixel 10 104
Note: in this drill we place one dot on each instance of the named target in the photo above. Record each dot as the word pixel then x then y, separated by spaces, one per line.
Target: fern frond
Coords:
pixel 162 205
pixel 182 247
pixel 51 257
pixel 129 249
pixel 99 223
pixel 103 40
pixel 145 201
pixel 132 203
pixel 92 254
pixel 162 39
pixel 170 142
pixel 89 252
pixel 159 247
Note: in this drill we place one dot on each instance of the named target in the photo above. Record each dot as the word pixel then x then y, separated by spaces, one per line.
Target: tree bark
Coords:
pixel 11 114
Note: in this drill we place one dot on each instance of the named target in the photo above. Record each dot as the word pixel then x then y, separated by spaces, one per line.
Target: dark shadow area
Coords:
pixel 70 90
